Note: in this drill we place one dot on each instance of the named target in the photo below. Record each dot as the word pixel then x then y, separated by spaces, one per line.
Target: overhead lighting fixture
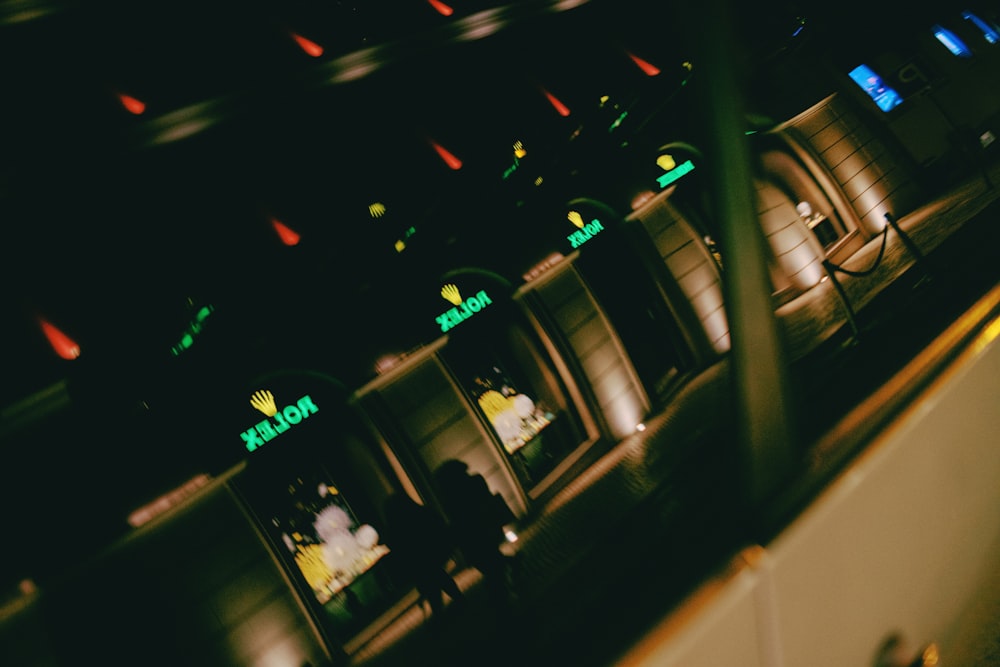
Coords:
pixel 441 8
pixel 310 47
pixel 449 159
pixel 648 68
pixel 287 235
pixel 132 105
pixel 62 344
pixel 560 108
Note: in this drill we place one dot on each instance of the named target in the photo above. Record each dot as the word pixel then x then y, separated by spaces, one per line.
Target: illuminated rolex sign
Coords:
pixel 278 421
pixel 673 172
pixel 584 231
pixel 462 309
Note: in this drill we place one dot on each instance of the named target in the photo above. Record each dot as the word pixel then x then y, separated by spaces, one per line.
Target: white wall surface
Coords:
pixel 901 542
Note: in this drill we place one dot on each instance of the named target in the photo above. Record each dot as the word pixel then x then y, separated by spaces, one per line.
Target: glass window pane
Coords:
pixel 518 394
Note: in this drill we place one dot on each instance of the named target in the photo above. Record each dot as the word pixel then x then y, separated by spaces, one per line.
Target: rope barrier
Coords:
pixel 868 271
pixel 832 269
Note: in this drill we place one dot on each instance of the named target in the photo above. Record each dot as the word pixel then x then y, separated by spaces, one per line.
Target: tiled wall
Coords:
pixel 874 179
pixel 690 264
pixel 619 395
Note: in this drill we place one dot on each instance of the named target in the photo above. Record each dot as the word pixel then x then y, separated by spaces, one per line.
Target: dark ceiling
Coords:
pixel 118 227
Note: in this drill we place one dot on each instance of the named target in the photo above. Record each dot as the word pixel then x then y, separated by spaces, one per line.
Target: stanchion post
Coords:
pixel 832 273
pixel 910 245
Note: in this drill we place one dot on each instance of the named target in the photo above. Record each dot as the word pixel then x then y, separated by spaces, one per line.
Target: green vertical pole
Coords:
pixel 759 370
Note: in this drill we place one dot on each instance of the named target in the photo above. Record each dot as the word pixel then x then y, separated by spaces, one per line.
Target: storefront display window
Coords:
pixel 331 547
pixel 515 416
pixel 335 549
pixel 518 395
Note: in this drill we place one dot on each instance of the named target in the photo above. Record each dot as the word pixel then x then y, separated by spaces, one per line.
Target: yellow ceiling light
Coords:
pixel 575 218
pixel 519 151
pixel 376 209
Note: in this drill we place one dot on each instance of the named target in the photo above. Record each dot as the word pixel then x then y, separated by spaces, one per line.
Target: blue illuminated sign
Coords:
pixel 885 97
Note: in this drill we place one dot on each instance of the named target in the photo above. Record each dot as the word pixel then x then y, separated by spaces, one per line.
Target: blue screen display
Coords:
pixel 952 41
pixel 990 32
pixel 885 97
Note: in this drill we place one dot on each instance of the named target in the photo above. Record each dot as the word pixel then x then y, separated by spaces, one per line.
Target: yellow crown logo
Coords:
pixel 576 219
pixel 666 162
pixel 450 293
pixel 263 400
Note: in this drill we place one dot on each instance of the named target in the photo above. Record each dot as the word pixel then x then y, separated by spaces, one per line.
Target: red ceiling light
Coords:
pixel 131 104
pixel 560 108
pixel 309 46
pixel 442 9
pixel 63 345
pixel 449 159
pixel 647 67
pixel 287 235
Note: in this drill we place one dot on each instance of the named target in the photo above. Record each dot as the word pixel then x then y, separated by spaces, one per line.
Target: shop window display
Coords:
pixel 520 397
pixel 334 549
pixel 515 416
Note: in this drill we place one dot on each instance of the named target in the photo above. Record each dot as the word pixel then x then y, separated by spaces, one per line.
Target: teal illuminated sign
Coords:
pixel 511 169
pixel 193 329
pixel 278 421
pixel 463 309
pixel 682 169
pixel 585 233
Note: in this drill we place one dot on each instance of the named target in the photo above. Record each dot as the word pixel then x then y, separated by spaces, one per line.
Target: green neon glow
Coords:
pixel 511 169
pixel 682 169
pixel 282 420
pixel 584 234
pixel 194 327
pixel 463 311
pixel 618 121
